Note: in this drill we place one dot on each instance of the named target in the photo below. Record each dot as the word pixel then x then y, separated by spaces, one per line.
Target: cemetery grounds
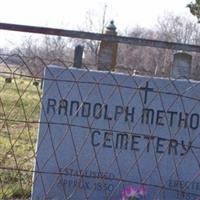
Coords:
pixel 19 114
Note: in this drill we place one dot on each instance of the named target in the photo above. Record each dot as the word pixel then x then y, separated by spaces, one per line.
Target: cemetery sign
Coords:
pixel 101 131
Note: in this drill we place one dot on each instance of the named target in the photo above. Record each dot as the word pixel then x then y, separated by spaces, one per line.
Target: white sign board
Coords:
pixel 100 132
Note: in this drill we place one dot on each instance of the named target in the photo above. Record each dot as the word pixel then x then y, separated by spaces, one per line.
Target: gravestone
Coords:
pixel 181 65
pixel 101 132
pixel 8 80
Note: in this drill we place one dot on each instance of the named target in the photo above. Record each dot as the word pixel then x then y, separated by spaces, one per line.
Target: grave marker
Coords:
pixel 100 132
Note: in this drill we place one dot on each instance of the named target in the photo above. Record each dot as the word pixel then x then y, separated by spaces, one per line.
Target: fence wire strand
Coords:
pixel 22 98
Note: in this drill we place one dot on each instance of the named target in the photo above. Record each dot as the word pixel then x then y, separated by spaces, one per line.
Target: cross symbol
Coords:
pixel 146 90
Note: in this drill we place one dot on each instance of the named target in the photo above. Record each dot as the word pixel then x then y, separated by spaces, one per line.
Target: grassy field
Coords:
pixel 19 114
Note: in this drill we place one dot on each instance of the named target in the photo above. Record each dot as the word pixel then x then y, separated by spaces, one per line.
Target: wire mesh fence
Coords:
pixel 89 135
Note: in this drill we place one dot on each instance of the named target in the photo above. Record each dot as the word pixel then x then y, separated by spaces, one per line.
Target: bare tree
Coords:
pixel 93 23
pixel 141 59
pixel 180 29
pixel 43 51
pixel 159 61
pixel 177 29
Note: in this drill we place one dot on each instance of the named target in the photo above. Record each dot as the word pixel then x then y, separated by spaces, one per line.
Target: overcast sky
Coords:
pixel 71 14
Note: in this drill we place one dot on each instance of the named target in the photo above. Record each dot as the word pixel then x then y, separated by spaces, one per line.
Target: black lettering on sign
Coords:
pixel 129 114
pixel 62 106
pixel 185 147
pixel 173 146
pixel 135 142
pixel 51 106
pixel 149 139
pixel 147 116
pixel 171 115
pixel 97 110
pixel 194 121
pixel 160 146
pixel 74 108
pixel 183 120
pixel 159 117
pixel 86 107
pixel 138 142
pixel 118 112
pixel 107 140
pixel 95 141
pixel 122 141
pixel 106 116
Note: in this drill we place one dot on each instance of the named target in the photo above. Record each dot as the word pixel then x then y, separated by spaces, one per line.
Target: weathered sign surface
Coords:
pixel 100 132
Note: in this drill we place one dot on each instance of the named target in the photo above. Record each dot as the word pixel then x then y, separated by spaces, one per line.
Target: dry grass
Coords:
pixel 19 114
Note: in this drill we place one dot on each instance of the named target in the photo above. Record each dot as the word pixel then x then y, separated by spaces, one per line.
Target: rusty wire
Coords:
pixel 20 105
